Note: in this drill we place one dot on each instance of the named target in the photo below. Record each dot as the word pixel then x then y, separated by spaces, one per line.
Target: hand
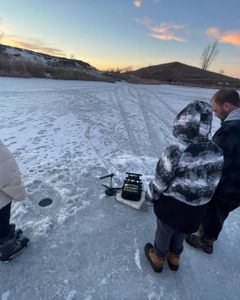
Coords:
pixel 148 198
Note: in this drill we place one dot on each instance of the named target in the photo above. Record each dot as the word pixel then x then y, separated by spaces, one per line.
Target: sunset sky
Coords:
pixel 121 33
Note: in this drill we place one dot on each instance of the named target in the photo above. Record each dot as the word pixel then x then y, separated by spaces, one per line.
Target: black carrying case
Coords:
pixel 132 187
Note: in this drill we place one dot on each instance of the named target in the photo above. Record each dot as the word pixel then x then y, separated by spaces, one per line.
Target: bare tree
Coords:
pixel 1 33
pixel 127 69
pixel 1 36
pixel 208 55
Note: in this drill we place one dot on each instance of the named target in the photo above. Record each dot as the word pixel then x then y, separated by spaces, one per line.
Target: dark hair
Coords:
pixel 227 95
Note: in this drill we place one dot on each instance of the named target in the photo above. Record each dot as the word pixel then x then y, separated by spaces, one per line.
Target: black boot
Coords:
pixel 13 234
pixel 12 247
pixel 203 243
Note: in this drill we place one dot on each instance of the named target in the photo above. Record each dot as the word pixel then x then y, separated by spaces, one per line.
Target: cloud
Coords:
pixel 35 45
pixel 26 42
pixel 213 32
pixel 167 37
pixel 137 3
pixel 165 31
pixel 167 27
pixel 145 21
pixel 30 44
pixel 230 37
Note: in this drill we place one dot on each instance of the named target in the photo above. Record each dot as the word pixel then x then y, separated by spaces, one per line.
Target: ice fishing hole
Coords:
pixel 45 202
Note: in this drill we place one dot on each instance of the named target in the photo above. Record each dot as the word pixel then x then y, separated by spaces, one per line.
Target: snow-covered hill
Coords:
pixel 19 62
pixel 65 135
pixel 36 57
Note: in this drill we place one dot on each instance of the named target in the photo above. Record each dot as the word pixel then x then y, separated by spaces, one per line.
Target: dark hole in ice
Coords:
pixel 45 202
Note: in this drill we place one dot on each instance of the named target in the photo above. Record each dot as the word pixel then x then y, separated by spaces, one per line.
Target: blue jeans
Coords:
pixel 167 238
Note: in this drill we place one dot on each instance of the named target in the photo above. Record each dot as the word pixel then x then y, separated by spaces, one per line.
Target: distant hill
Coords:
pixel 178 73
pixel 19 62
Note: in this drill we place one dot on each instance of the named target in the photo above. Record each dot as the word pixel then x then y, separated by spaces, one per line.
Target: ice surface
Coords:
pixel 64 136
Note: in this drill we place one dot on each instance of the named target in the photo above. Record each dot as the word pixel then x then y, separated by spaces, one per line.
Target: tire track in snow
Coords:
pixel 153 135
pixel 76 107
pixel 161 100
pixel 125 118
pixel 147 112
pixel 164 124
pixel 109 166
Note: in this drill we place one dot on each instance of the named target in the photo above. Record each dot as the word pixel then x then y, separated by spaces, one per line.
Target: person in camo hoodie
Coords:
pixel 187 174
pixel 11 241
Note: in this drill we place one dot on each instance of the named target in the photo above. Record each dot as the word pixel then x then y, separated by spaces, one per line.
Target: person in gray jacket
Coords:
pixel 11 188
pixel 226 105
pixel 185 180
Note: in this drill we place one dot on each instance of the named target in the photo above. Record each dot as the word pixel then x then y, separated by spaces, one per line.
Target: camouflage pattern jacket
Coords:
pixel 188 172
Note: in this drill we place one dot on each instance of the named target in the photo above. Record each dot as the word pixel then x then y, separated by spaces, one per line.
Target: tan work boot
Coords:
pixel 173 261
pixel 155 260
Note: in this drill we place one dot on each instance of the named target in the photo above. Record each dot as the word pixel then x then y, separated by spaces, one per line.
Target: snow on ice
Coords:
pixel 64 136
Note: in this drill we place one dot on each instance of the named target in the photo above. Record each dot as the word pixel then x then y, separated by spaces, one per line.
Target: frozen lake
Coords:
pixel 64 136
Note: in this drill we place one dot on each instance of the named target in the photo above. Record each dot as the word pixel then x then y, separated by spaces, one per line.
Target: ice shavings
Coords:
pixel 72 295
pixel 137 259
pixel 5 295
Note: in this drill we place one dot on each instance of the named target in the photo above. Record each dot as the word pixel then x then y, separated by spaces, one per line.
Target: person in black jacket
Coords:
pixel 226 105
pixel 186 176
